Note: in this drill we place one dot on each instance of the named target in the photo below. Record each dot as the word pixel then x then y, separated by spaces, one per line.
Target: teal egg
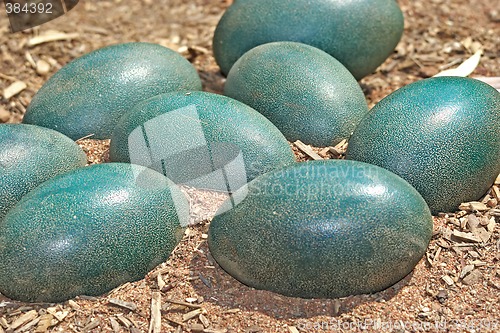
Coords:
pixel 441 134
pixel 322 229
pixel 30 155
pixel 305 92
pixel 88 231
pixel 89 95
pixel 360 34
pixel 200 139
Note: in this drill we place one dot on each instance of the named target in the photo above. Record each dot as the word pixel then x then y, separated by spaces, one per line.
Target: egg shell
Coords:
pixel 305 92
pixel 201 139
pixel 322 229
pixel 88 95
pixel 88 231
pixel 441 134
pixel 360 34
pixel 30 155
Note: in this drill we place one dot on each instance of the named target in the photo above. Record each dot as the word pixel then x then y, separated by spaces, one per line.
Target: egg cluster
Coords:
pixel 311 229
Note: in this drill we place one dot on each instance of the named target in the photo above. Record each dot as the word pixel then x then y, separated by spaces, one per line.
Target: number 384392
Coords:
pixel 28 8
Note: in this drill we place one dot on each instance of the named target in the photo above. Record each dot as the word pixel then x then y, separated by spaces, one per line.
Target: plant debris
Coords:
pixel 458 281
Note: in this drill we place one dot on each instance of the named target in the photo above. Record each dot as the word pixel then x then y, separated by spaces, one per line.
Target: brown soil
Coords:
pixel 456 288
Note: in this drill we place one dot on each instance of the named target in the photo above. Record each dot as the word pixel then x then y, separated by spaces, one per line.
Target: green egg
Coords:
pixel 88 231
pixel 30 155
pixel 305 92
pixel 322 229
pixel 441 134
pixel 89 95
pixel 360 34
pixel 200 139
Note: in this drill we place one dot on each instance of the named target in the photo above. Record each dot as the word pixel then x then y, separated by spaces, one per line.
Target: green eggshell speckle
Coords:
pixel 88 231
pixel 305 92
pixel 90 94
pixel 322 229
pixel 30 155
pixel 201 139
pixel 360 34
pixel 441 134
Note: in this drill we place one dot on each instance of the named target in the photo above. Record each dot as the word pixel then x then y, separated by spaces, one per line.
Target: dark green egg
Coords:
pixel 360 34
pixel 441 134
pixel 305 92
pixel 89 94
pixel 200 139
pixel 88 231
pixel 322 229
pixel 30 155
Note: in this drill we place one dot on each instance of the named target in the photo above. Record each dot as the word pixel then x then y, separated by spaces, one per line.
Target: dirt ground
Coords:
pixel 455 288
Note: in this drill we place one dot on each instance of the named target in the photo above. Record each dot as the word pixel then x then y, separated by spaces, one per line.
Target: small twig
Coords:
pixel 307 150
pixel 189 305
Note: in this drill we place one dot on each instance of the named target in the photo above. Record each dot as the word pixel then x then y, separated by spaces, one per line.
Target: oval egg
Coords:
pixel 441 134
pixel 88 231
pixel 359 34
pixel 200 139
pixel 88 95
pixel 322 229
pixel 30 155
pixel 305 92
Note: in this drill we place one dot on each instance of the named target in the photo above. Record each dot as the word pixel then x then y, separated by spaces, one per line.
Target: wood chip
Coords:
pixel 197 328
pixel 192 314
pixel 466 237
pixel 124 320
pixel 496 192
pixel 473 206
pixel 3 322
pixel 204 320
pixel 466 270
pixel 473 278
pixel 51 36
pixel 307 150
pixel 491 225
pixel 42 67
pixel 155 321
pixel 28 326
pixel 482 234
pixel 27 317
pixel 190 305
pixel 93 324
pixel 127 305
pixel 448 280
pixel 161 283
pixel 115 325
pixel 74 304
pixel 14 89
pixel 466 68
pixel 46 321
pixel 4 115
pixel 293 329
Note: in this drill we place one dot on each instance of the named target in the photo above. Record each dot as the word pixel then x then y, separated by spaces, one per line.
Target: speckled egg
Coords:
pixel 88 231
pixel 89 95
pixel 360 34
pixel 305 92
pixel 322 229
pixel 30 155
pixel 441 134
pixel 200 139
